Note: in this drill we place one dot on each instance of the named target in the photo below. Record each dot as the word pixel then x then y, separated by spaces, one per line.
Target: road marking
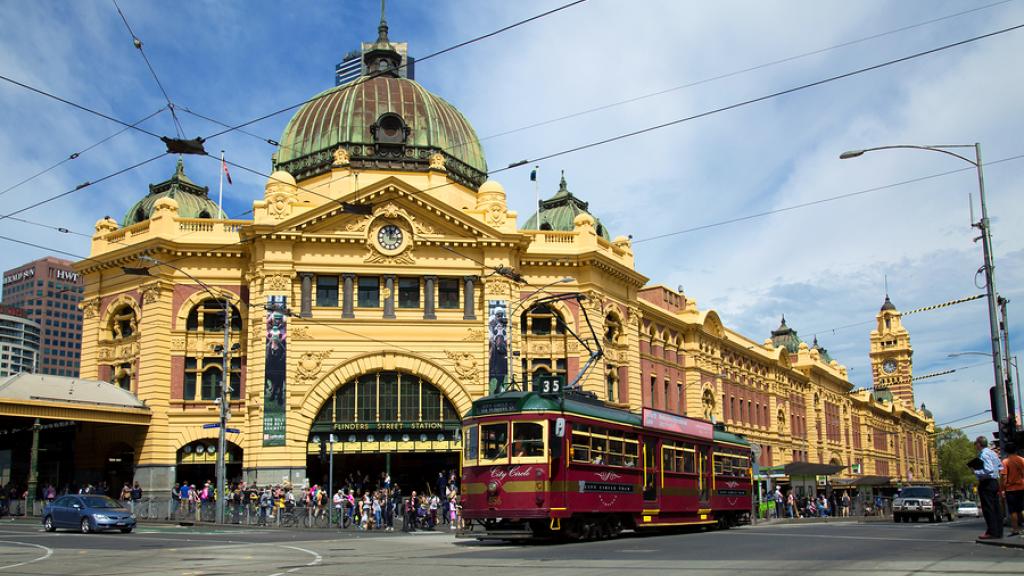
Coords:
pixel 834 536
pixel 49 552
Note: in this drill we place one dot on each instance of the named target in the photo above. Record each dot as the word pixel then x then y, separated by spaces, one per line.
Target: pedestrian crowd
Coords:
pixel 360 502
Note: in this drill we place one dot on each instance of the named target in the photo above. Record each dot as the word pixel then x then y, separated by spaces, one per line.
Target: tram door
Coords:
pixel 652 473
pixel 705 473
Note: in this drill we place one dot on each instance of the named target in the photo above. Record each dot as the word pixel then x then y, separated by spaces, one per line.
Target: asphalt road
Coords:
pixel 834 548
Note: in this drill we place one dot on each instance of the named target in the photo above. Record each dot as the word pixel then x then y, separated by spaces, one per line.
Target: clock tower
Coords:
pixel 891 356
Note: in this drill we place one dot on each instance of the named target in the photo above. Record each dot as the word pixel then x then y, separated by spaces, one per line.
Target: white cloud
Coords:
pixel 821 266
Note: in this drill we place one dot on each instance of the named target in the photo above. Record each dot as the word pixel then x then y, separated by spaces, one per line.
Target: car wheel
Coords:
pixel 86 527
pixel 125 530
pixel 897 518
pixel 914 519
pixel 48 524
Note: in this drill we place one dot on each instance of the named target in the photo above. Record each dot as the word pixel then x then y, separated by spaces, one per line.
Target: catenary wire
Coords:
pixel 79 106
pixel 76 155
pixel 750 101
pixel 137 42
pixel 273 142
pixel 418 60
pixel 733 73
pixel 82 186
pixel 820 201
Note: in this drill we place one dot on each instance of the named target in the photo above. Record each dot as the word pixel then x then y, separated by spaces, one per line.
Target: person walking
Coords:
pixel 987 467
pixel 1013 486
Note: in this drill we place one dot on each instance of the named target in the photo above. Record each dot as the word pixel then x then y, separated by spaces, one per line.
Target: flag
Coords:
pixel 225 166
pixel 533 174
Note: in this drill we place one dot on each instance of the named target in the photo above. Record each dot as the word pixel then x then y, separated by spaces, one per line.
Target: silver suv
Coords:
pixel 920 502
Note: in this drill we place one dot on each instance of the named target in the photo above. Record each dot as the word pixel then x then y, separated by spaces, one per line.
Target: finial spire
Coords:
pixel 382 29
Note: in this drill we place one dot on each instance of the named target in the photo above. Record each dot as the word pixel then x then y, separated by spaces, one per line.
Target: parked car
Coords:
pixel 87 513
pixel 968 509
pixel 920 502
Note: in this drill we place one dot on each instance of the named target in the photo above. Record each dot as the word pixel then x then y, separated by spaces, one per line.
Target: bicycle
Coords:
pixel 289 517
pixel 317 519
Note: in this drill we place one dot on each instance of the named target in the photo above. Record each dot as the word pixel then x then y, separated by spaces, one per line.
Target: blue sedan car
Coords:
pixel 87 513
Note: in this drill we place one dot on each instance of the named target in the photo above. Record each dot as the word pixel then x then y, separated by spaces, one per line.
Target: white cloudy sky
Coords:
pixel 821 266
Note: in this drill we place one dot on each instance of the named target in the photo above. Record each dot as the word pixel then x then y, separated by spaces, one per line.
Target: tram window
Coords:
pixel 527 439
pixel 495 441
pixel 470 439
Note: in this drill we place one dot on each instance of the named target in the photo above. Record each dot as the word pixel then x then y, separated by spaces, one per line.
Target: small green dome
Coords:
pixel 192 199
pixel 383 122
pixel 560 211
pixel 823 353
pixel 786 337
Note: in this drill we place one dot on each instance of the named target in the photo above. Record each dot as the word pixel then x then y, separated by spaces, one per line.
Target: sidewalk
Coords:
pixel 820 520
pixel 1007 541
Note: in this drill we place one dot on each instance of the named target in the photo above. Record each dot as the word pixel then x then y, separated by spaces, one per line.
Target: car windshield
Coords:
pixel 100 502
pixel 916 493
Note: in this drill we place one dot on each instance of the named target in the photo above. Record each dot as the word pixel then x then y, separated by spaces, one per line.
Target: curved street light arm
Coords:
pixel 934 148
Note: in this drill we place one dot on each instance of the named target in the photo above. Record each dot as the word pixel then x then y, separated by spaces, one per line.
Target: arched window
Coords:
pixel 542 321
pixel 612 329
pixel 208 316
pixel 140 215
pixel 388 400
pixel 205 374
pixel 612 383
pixel 123 322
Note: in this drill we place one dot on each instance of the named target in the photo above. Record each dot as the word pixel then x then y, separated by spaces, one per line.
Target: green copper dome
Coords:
pixel 192 199
pixel 786 337
pixel 560 211
pixel 383 122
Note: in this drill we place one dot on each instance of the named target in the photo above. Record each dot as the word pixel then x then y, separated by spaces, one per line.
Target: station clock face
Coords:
pixel 889 366
pixel 389 237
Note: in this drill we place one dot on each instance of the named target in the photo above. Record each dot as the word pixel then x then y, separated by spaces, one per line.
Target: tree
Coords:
pixel 954 450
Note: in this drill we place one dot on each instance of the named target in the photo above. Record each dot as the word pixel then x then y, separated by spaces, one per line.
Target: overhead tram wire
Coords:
pixel 79 106
pixel 418 60
pixel 81 186
pixel 733 73
pixel 756 100
pixel 138 45
pixel 76 155
pixel 821 201
pixel 930 308
pixel 710 79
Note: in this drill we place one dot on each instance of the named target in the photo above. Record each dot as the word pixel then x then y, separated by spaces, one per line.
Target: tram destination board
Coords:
pixel 497 406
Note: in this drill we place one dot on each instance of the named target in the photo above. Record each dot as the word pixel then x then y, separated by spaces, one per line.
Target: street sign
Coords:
pixel 232 430
pixel 214 425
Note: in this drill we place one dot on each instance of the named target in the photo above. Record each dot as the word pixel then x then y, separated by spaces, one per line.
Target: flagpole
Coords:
pixel 536 192
pixel 220 190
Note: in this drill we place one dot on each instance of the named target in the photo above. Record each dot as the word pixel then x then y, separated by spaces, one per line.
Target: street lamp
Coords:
pixel 512 314
pixel 225 411
pixel 1016 375
pixel 1003 411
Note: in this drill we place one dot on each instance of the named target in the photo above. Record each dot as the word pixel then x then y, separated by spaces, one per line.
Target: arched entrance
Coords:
pixel 120 467
pixel 197 462
pixel 385 422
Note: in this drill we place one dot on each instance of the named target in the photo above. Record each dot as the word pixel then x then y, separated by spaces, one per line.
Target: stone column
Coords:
pixel 346 297
pixel 429 288
pixel 469 311
pixel 389 296
pixel 306 295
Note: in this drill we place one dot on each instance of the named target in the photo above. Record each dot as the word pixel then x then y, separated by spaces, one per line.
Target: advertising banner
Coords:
pixel 497 345
pixel 275 372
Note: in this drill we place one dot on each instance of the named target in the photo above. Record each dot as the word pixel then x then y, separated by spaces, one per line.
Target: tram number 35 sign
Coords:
pixel 549 384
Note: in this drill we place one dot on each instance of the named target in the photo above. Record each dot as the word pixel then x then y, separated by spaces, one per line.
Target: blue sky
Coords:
pixel 821 266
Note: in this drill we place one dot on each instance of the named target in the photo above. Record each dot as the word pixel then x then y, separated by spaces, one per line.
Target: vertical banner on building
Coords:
pixel 497 345
pixel 275 371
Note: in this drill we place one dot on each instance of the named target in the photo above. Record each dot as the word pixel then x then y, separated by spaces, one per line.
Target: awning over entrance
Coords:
pixel 811 469
pixel 864 481
pixel 62 398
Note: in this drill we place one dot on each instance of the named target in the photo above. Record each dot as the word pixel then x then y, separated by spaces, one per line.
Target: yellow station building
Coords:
pixel 383 283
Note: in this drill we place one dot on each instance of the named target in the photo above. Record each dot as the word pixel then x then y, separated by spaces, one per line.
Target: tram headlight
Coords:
pixel 492 487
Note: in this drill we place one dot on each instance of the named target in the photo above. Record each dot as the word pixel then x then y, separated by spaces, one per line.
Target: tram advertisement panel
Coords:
pixel 275 370
pixel 497 340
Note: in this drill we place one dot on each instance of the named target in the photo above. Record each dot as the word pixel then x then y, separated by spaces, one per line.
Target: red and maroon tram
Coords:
pixel 541 466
